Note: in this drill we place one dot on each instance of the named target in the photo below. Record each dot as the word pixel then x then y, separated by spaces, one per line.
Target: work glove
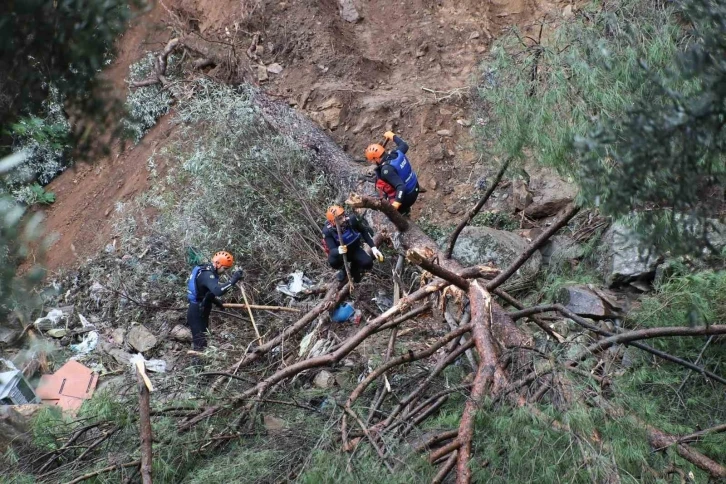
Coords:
pixel 389 135
pixel 342 249
pixel 236 276
pixel 377 254
pixel 219 304
pixel 396 205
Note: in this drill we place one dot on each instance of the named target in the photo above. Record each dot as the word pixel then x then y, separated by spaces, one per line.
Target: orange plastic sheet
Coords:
pixel 68 387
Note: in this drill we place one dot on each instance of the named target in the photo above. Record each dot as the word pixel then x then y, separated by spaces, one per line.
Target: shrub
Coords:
pixel 146 104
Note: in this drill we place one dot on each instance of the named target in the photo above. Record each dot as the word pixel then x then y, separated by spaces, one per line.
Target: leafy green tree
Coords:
pixel 665 156
pixel 63 45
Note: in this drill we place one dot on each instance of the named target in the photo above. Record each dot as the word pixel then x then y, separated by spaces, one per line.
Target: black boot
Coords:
pixel 341 275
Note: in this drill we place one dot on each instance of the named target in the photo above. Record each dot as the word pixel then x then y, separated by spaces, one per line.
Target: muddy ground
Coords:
pixel 410 66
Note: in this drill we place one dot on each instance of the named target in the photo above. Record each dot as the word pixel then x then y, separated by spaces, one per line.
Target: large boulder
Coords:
pixel 624 260
pixel 484 245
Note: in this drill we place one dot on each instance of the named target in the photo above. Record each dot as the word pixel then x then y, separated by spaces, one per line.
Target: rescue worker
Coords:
pixel 395 179
pixel 204 289
pixel 353 233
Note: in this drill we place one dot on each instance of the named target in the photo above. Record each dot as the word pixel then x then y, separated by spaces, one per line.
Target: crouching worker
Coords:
pixel 395 179
pixel 353 233
pixel 203 290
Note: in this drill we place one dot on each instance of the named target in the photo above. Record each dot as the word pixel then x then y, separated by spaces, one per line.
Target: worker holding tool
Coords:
pixel 395 179
pixel 352 230
pixel 204 289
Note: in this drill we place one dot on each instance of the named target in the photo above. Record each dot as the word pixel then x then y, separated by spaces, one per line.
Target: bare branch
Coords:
pixel 472 213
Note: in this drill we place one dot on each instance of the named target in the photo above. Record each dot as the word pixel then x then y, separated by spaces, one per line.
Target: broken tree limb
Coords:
pixel 533 247
pixel 145 422
pixel 642 346
pixel 490 375
pixel 449 434
pixel 361 201
pixel 659 440
pixel 446 468
pixel 330 298
pixel 114 467
pixel 160 64
pixel 542 325
pixel 264 308
pixel 416 257
pixel 249 311
pixel 684 439
pixel 474 211
pixel 640 334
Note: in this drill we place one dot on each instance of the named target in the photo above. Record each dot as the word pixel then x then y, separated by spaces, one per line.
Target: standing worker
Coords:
pixel 203 290
pixel 352 231
pixel 395 179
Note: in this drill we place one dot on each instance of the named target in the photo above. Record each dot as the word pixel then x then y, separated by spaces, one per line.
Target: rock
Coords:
pixel 111 385
pixel 622 261
pixel 262 73
pixel 348 11
pixel 474 35
pixel 542 207
pixel 481 245
pixel 141 339
pixel 567 12
pixel 15 423
pixel 324 379
pixel 561 248
pixel 332 102
pixel 463 122
pixel 8 336
pixel 273 423
pixel 521 196
pixel 118 336
pixel 331 118
pixel 57 332
pixel 444 132
pixel 181 333
pixel 274 68
pixel 433 184
pixel 584 302
pixel 121 357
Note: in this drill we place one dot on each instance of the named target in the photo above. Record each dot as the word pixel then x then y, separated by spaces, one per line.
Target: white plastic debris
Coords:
pixel 298 284
pixel 90 340
pixel 96 292
pixel 157 366
pixel 84 322
pixel 51 319
pixel 305 343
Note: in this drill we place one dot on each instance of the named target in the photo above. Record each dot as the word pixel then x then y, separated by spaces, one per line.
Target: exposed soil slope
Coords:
pixel 405 65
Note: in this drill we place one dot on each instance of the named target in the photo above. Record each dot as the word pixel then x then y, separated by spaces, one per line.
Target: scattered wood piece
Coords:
pixel 145 388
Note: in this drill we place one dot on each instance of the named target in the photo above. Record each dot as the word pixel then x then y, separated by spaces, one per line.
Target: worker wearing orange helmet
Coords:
pixel 353 231
pixel 205 289
pixel 395 179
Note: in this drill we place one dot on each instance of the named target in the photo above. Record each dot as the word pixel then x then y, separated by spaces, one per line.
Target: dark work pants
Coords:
pixel 407 202
pixel 358 258
pixel 198 321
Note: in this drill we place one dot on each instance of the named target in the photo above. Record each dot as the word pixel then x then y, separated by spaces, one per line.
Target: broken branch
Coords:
pixel 474 211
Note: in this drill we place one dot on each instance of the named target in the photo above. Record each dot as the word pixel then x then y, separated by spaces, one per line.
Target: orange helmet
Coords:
pixel 333 213
pixel 223 259
pixel 374 153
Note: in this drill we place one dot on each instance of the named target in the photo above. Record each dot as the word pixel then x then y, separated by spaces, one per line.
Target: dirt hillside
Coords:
pixel 409 66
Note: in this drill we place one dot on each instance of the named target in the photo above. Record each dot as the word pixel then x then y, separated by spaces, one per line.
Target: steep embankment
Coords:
pixel 409 66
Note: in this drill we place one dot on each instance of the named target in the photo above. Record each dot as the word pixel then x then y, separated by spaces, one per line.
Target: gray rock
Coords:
pixel 624 260
pixel 559 249
pixel 521 196
pixel 274 68
pixel 348 11
pixel 181 333
pixel 324 379
pixel 262 73
pixel 482 245
pixel 118 336
pixel 8 336
pixel 584 302
pixel 141 338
